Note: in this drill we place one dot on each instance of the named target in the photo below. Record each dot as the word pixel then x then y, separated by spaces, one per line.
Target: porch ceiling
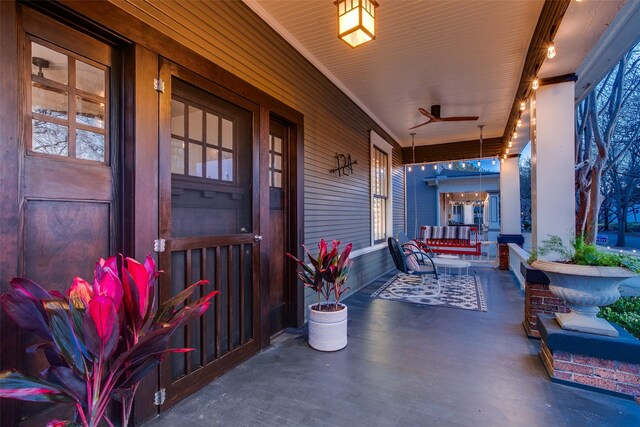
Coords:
pixel 466 55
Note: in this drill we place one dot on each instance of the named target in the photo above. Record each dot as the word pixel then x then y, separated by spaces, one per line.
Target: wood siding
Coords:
pixel 232 36
pixel 425 196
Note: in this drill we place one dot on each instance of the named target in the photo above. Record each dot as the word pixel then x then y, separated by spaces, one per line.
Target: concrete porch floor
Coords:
pixel 405 365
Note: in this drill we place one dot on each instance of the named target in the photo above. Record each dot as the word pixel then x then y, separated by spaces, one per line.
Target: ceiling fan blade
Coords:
pixel 422 124
pixel 427 113
pixel 458 119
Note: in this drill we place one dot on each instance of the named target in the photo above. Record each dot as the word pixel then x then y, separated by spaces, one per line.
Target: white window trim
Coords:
pixel 377 141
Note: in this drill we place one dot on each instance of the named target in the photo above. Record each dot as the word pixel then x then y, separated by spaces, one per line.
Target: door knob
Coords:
pixel 257 238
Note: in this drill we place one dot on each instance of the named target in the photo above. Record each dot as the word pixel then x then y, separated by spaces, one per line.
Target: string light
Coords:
pixel 504 156
pixel 493 161
pixel 515 134
pixel 507 151
pixel 523 106
pixel 409 168
pixel 435 167
pixel 535 84
pixel 519 123
pixel 551 51
pixel 450 165
pixel 510 144
pixel 422 167
pixel 463 165
pixel 501 160
pixel 479 163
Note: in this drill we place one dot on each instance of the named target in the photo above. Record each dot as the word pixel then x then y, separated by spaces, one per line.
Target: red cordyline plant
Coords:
pixel 327 274
pixel 100 339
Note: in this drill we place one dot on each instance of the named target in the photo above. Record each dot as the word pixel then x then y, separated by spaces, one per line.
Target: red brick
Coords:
pixel 538 293
pixel 536 300
pixel 554 301
pixel 595 382
pixel 568 376
pixel 561 355
pixel 629 367
pixel 633 390
pixel 572 367
pixel 621 377
pixel 594 361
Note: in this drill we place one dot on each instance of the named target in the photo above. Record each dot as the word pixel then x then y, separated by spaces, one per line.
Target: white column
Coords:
pixel 552 164
pixel 467 214
pixel 510 196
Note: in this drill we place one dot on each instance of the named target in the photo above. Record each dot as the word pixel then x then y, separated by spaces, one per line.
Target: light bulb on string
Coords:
pixel 463 165
pixel 501 160
pixel 535 84
pixel 435 167
pixel 519 123
pixel 422 167
pixel 450 165
pixel 523 106
pixel 493 161
pixel 479 163
pixel 551 51
pixel 409 168
pixel 507 151
pixel 515 134
pixel 510 144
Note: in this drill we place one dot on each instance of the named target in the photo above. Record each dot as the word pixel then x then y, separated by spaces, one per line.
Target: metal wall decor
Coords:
pixel 345 165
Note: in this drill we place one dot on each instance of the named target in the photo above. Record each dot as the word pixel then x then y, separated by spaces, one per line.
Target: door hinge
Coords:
pixel 159 245
pixel 158 85
pixel 159 397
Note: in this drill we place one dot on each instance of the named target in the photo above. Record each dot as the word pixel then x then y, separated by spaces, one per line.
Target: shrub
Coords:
pixel 625 312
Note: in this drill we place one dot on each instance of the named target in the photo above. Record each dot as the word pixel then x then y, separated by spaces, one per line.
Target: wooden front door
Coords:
pixel 209 221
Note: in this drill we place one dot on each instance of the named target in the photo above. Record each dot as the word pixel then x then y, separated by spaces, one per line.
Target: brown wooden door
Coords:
pixel 278 226
pixel 68 169
pixel 209 220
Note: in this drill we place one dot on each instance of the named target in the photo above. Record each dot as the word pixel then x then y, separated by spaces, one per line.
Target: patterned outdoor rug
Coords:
pixel 456 291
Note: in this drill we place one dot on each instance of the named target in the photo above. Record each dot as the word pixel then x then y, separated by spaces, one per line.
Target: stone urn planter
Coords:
pixel 584 288
pixel 328 329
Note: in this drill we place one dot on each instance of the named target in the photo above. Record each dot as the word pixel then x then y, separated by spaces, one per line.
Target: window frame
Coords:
pixel 377 142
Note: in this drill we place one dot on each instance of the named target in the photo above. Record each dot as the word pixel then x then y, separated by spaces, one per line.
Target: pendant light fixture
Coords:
pixel 356 21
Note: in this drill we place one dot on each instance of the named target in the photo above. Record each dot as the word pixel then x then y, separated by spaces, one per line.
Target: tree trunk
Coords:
pixel 622 225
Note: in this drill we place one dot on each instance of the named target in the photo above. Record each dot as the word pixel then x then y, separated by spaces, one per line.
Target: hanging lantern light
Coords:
pixel 356 21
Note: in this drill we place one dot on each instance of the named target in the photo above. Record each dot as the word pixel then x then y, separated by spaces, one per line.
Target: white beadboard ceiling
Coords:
pixel 465 55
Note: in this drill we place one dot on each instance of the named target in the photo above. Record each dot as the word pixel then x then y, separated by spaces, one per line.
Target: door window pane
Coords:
pixel 49 101
pixel 89 78
pixel 195 123
pixel 177 156
pixel 177 118
pixel 227 134
pixel 195 159
pixel 277 145
pixel 212 163
pixel 49 138
pixel 89 145
pixel 49 64
pixel 90 112
pixel 227 166
pixel 277 179
pixel 212 129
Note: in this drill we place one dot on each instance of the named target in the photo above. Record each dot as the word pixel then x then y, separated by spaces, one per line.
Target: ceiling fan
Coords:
pixel 434 116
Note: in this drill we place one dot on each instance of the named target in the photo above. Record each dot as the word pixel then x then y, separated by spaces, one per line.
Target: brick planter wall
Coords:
pixel 538 299
pixel 503 256
pixel 611 375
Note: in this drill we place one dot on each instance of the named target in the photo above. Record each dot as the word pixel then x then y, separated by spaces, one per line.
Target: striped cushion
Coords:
pixel 411 260
pixel 450 233
pixel 426 232
pixel 437 232
pixel 464 233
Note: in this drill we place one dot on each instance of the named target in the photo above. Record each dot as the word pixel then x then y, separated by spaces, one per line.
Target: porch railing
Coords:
pixel 517 255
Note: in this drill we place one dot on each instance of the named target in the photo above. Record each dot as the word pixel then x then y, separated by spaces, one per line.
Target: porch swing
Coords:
pixel 446 240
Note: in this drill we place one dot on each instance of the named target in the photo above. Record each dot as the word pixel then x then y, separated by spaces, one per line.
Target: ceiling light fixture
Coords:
pixel 356 21
pixel 551 51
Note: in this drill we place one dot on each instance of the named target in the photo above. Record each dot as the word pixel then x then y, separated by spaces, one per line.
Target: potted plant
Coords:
pixel 326 275
pixel 100 339
pixel 586 278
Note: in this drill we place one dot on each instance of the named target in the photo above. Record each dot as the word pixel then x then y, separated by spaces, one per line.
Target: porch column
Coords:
pixel 552 164
pixel 509 209
pixel 494 220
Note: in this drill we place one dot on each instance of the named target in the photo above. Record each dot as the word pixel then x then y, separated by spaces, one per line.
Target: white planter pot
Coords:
pixel 328 329
pixel 584 288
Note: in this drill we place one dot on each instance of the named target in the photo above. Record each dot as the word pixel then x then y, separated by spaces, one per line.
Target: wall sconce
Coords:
pixel 356 21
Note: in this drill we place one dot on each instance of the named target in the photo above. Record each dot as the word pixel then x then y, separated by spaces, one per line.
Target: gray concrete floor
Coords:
pixel 405 365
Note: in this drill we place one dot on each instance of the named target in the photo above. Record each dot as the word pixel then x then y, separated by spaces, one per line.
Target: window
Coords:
pixel 202 141
pixel 275 161
pixel 69 102
pixel 381 213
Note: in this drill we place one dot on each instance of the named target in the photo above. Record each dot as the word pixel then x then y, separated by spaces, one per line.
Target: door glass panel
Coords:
pixel 49 138
pixel 227 134
pixel 49 64
pixel 89 145
pixel 89 78
pixel 90 112
pixel 195 159
pixel 277 145
pixel 49 101
pixel 195 123
pixel 177 156
pixel 212 163
pixel 177 118
pixel 219 203
pixel 212 129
